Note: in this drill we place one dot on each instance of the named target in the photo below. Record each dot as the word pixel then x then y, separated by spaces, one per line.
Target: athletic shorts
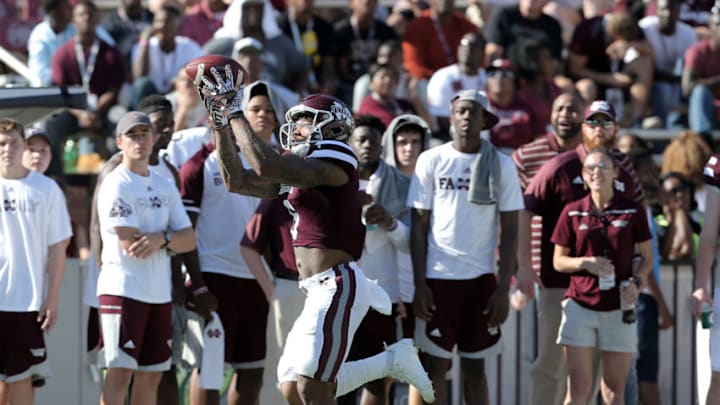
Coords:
pixel 243 311
pixel 335 304
pixel 22 346
pixel 135 335
pixel 583 327
pixel 376 330
pixel 459 320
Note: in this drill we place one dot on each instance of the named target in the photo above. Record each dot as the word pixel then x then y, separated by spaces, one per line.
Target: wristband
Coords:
pixel 200 291
pixel 143 42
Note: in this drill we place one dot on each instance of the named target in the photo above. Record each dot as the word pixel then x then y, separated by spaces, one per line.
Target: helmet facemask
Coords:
pixel 315 124
pixel 304 120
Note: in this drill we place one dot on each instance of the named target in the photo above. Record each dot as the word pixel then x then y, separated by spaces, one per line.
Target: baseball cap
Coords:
pixel 600 107
pixel 481 98
pixel 247 44
pixel 130 120
pixel 32 132
pixel 501 64
pixel 410 120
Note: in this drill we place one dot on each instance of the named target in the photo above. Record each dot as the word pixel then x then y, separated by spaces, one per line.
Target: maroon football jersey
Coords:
pixel 328 217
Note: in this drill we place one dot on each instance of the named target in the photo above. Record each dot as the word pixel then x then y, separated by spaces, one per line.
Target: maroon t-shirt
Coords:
pixel 704 61
pixel 108 75
pixel 558 183
pixel 386 113
pixel 613 233
pixel 516 125
pixel 268 232
pixel 328 217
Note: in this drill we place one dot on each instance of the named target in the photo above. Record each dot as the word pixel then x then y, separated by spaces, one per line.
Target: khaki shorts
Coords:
pixel 605 330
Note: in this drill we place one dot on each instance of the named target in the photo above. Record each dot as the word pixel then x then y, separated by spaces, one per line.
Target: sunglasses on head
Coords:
pixel 600 124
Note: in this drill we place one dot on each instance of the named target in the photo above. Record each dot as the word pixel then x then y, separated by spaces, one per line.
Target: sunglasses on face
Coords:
pixel 505 74
pixel 590 168
pixel 600 124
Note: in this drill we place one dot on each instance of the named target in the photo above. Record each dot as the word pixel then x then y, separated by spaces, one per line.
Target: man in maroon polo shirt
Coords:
pixel 86 61
pixel 557 183
pixel 566 119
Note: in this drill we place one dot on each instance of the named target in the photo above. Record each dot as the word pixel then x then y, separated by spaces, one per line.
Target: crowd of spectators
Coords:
pixel 656 62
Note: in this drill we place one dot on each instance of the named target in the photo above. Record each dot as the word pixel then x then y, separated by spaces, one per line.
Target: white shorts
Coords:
pixel 715 333
pixel 605 330
pixel 335 304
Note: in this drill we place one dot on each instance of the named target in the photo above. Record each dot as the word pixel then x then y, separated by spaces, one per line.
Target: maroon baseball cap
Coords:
pixel 600 107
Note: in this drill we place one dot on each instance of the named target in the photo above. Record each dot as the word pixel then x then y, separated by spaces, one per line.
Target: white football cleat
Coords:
pixel 407 368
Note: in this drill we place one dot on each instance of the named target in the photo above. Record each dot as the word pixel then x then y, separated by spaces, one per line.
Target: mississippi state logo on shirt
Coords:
pixel 120 209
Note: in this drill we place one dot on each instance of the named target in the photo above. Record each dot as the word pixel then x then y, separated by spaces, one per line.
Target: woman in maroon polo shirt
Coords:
pixel 595 240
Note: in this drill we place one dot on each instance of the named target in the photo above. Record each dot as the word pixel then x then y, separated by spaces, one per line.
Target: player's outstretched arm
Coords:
pixel 237 179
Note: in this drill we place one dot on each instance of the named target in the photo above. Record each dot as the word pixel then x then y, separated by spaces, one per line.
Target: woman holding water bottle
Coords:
pixel 595 240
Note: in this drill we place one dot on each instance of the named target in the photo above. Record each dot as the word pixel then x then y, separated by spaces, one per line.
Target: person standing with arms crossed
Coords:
pixel 142 222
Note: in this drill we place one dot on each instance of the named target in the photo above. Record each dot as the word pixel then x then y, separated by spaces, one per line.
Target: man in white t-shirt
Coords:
pixel 669 39
pixel 142 223
pixel 34 233
pixel 160 54
pixel 467 73
pixel 463 195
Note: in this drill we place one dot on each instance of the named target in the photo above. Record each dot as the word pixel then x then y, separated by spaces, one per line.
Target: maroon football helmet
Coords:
pixel 324 117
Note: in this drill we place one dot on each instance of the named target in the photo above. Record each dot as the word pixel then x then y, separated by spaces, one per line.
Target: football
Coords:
pixel 218 61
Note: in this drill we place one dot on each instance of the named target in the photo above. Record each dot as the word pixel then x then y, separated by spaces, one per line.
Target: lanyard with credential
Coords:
pixel 297 38
pixel 443 40
pixel 364 46
pixel 86 70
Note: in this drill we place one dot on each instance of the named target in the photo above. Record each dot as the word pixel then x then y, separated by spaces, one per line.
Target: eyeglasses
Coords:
pixel 604 167
pixel 600 124
pixel 505 74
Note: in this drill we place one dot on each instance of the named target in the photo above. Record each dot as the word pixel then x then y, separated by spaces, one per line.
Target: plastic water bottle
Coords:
pixel 70 156
pixel 628 310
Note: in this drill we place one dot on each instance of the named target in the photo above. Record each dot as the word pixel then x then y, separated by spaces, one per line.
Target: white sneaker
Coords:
pixel 406 367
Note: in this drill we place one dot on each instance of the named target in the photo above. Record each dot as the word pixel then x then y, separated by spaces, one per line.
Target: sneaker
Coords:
pixel 406 367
